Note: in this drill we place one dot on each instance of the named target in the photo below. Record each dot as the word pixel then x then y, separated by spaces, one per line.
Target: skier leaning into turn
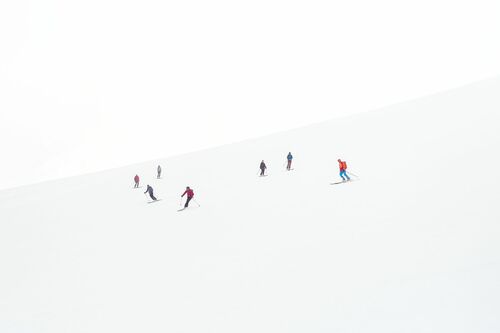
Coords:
pixel 190 195
pixel 149 190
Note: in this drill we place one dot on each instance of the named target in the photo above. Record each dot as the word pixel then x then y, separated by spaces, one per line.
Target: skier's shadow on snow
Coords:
pixel 150 202
pixel 188 208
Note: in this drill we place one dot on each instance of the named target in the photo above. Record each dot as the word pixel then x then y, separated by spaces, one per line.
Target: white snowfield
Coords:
pixel 413 246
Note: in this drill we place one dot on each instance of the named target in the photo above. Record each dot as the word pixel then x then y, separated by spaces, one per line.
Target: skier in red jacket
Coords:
pixel 136 180
pixel 343 170
pixel 190 195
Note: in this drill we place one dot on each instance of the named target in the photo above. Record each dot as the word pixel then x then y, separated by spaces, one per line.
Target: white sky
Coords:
pixel 95 84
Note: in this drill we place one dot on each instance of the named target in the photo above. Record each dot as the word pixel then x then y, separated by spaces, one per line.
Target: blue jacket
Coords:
pixel 289 157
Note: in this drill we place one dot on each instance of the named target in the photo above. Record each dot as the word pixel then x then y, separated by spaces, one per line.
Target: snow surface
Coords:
pixel 413 246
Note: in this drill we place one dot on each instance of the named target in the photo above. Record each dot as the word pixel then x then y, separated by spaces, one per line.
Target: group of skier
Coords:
pixel 263 166
pixel 189 193
pixel 289 158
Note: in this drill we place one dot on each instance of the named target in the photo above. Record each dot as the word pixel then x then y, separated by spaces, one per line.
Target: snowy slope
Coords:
pixel 414 246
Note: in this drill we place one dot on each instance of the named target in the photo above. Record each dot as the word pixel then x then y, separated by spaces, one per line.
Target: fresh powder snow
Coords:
pixel 412 246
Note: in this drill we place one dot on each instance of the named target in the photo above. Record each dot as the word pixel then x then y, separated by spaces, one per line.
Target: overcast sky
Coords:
pixel 95 84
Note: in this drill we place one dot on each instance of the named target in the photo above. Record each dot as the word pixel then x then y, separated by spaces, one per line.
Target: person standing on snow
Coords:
pixel 263 168
pixel 149 190
pixel 190 195
pixel 289 161
pixel 136 180
pixel 343 170
pixel 159 172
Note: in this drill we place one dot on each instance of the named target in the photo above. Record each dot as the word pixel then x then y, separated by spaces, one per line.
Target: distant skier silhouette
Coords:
pixel 190 194
pixel 289 159
pixel 343 170
pixel 159 172
pixel 263 168
pixel 136 180
pixel 149 190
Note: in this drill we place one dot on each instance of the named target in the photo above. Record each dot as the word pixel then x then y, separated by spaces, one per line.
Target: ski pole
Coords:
pixel 197 203
pixel 180 203
pixel 352 174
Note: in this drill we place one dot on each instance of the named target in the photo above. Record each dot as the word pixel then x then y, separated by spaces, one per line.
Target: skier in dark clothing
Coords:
pixel 263 168
pixel 149 190
pixel 190 195
pixel 159 172
pixel 289 161
pixel 136 180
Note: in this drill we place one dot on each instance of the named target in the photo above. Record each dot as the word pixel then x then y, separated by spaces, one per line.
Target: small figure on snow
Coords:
pixel 136 180
pixel 263 168
pixel 289 159
pixel 159 172
pixel 343 170
pixel 190 195
pixel 149 190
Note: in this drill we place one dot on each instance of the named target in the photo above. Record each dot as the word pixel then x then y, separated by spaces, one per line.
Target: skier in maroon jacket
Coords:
pixel 190 195
pixel 136 180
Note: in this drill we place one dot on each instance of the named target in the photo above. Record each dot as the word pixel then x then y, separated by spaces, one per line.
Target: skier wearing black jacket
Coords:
pixel 149 190
pixel 263 168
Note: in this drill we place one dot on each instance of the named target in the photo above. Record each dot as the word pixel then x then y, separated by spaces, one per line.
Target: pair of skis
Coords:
pixel 345 181
pixel 184 208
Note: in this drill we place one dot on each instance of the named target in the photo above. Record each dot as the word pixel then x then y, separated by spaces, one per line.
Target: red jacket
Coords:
pixel 136 178
pixel 189 193
pixel 342 165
